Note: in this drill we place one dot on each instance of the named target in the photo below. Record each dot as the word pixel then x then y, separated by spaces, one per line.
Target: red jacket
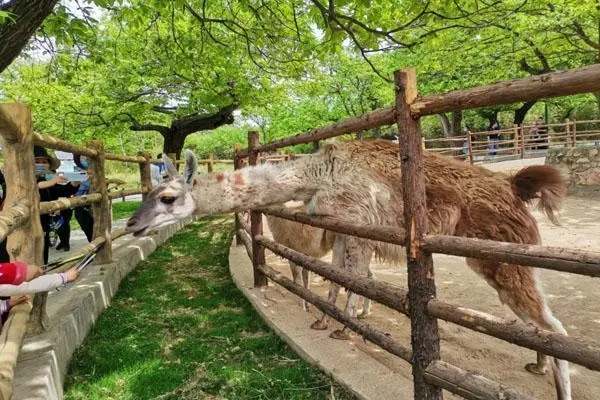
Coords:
pixel 13 273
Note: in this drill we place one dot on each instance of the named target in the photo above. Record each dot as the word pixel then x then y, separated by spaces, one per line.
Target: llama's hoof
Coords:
pixel 534 368
pixel 340 335
pixel 319 325
pixel 363 314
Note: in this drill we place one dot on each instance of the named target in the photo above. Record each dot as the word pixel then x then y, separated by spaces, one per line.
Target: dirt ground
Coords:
pixel 573 299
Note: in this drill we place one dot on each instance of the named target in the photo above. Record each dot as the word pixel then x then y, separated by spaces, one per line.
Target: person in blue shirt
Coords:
pixel 83 214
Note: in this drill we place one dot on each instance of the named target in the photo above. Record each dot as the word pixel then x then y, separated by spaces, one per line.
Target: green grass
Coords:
pixel 124 209
pixel 178 328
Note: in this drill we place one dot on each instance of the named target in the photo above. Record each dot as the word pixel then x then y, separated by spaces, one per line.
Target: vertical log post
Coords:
pixel 237 164
pixel 515 139
pixel 26 243
pixel 574 132
pixel 210 167
pixel 421 285
pixel 145 174
pixel 101 210
pixel 256 228
pixel 470 146
pixel 568 138
pixel 522 139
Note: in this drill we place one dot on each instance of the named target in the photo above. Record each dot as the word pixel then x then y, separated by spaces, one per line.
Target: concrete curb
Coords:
pixel 72 311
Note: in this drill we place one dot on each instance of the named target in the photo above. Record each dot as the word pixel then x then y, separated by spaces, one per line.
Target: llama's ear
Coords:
pixel 191 167
pixel 170 167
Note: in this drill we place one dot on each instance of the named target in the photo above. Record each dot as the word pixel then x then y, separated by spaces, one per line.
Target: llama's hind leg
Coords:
pixel 517 286
pixel 366 310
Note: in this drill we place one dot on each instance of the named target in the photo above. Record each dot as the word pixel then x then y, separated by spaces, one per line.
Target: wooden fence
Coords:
pixel 429 372
pixel 520 141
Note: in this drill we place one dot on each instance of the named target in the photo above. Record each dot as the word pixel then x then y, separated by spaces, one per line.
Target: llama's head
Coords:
pixel 168 202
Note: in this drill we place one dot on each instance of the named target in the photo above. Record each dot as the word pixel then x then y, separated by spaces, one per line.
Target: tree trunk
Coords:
pixel 445 123
pixel 521 112
pixel 173 143
pixel 456 123
pixel 28 15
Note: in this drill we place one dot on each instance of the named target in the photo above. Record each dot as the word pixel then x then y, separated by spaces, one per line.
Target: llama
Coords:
pixel 361 182
pixel 309 240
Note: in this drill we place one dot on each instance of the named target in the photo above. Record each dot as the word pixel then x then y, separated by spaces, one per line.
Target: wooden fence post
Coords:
pixel 568 139
pixel 421 285
pixel 522 140
pixel 25 243
pixel 574 132
pixel 470 146
pixel 209 165
pixel 145 174
pixel 237 164
pixel 100 210
pixel 256 228
pixel 516 139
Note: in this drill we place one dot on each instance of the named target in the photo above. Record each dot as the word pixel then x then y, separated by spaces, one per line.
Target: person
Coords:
pixel 157 171
pixel 494 138
pixel 51 187
pixel 36 282
pixel 83 214
pixel 542 134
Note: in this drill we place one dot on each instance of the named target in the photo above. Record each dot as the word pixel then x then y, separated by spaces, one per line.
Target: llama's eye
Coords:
pixel 168 199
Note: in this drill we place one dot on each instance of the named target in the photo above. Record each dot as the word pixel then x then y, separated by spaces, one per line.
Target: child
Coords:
pixel 17 272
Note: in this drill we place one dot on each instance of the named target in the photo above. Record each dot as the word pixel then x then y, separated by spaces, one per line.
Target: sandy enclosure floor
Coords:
pixel 573 299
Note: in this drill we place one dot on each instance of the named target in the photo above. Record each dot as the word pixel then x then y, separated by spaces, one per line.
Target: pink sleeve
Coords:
pixel 21 274
pixel 13 273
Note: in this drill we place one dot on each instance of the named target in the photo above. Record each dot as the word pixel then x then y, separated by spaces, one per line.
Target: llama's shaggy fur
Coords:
pixel 361 182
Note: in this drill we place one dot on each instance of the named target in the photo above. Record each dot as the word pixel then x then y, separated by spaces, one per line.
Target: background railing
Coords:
pixel 430 373
pixel 520 141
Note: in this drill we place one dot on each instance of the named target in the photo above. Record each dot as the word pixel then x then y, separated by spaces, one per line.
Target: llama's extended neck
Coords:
pixel 253 187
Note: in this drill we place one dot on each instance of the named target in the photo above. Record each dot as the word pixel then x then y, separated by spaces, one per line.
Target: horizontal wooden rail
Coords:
pixel 556 258
pixel 115 194
pixel 554 84
pixel 47 207
pixel 373 335
pixel 388 234
pixel 452 378
pixel 59 144
pixel 468 384
pixel 373 119
pixel 12 217
pixel 582 352
pixel 123 158
pixel 382 292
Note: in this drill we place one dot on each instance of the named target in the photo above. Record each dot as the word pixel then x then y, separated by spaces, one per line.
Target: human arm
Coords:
pixel 60 180
pixel 41 284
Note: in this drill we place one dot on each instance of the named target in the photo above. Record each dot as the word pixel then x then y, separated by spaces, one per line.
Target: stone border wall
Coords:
pixel 580 166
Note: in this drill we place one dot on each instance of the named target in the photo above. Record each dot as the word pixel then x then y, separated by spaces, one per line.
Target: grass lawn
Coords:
pixel 178 328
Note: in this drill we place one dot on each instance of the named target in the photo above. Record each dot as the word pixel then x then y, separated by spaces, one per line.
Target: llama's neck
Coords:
pixel 253 187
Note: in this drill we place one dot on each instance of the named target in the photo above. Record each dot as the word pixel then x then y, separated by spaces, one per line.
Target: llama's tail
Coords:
pixel 541 182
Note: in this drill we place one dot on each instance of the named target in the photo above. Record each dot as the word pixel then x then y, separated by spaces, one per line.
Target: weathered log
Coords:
pixel 583 352
pixel 388 234
pixel 10 116
pixel 467 384
pixel 13 217
pixel 556 258
pixel 394 297
pixel 59 144
pixel 554 84
pixel 246 241
pixel 421 284
pixel 11 340
pixel 383 116
pixel 243 224
pixel 123 193
pixel 145 175
pixel 256 228
pixel 120 157
pixel 47 207
pixel 380 338
pixel 101 210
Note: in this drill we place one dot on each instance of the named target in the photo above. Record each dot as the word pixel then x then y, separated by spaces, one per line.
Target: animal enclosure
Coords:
pixel 429 371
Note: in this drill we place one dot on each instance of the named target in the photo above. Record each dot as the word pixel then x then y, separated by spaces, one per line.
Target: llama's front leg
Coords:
pixel 296 272
pixel 366 310
pixel 337 261
pixel 356 260
pixel 541 366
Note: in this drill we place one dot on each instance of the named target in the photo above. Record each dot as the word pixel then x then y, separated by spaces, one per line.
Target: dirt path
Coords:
pixel 574 300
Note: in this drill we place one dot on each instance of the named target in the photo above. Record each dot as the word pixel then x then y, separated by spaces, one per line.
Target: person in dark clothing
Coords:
pixel 84 215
